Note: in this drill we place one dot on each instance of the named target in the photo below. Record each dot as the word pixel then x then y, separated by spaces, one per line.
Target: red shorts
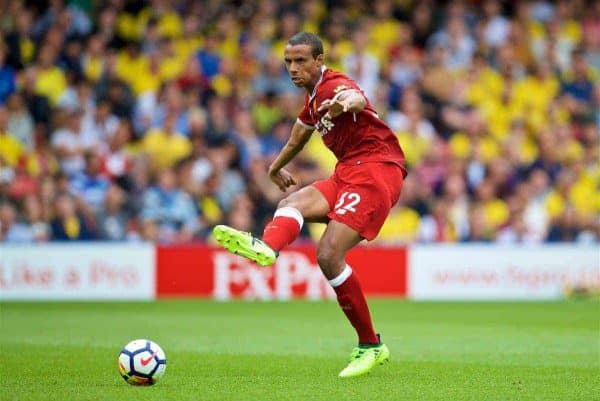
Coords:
pixel 361 195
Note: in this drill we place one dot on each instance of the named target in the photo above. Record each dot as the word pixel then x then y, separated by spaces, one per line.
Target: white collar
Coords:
pixel 314 92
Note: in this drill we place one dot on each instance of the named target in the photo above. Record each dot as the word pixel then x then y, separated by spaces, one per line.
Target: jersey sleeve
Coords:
pixel 336 87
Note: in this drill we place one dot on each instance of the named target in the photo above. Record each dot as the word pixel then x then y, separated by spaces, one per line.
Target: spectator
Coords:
pixel 100 125
pixel 90 185
pixel 495 26
pixel 32 228
pixel 436 227
pixel 565 227
pixel 579 88
pixel 457 40
pixel 11 149
pixel 22 182
pixel 166 146
pixel 7 77
pixel 113 217
pixel 208 58
pixel 38 106
pixel 362 66
pixel 118 158
pixel 50 80
pixel 245 138
pixel 68 225
pixel 9 231
pixel 20 122
pixel 171 209
pixel 70 144
pixel 273 79
pixel 42 161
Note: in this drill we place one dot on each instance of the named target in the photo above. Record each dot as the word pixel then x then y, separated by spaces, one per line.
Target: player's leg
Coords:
pixel 308 203
pixel 337 239
pixel 331 253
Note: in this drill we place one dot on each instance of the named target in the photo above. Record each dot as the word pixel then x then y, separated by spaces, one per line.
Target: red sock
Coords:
pixel 353 303
pixel 284 228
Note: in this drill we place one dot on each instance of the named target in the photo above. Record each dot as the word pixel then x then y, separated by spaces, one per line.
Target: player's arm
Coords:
pixel 348 101
pixel 300 135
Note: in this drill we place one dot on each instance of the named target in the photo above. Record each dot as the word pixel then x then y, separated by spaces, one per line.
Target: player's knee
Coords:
pixel 289 201
pixel 329 257
pixel 323 255
pixel 284 202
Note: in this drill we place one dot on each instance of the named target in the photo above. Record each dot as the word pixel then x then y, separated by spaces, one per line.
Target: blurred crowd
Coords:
pixel 155 120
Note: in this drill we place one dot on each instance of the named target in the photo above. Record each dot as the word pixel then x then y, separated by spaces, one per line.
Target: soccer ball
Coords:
pixel 142 362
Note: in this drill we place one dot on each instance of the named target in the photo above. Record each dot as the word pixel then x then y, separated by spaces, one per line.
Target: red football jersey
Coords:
pixel 352 137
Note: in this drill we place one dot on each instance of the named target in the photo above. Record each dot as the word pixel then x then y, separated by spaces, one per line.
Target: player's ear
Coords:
pixel 320 59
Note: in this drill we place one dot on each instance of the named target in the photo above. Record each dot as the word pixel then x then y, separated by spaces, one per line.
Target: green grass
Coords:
pixel 293 351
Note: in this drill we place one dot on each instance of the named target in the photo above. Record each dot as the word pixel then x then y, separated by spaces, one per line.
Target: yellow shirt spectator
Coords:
pixel 186 47
pixel 317 151
pixel 146 81
pixel 462 147
pixel 10 148
pixel 381 37
pixel 385 32
pixel 93 68
pixel 585 195
pixel 315 12
pixel 555 204
pixel 129 66
pixel 278 47
pixel 128 26
pixel 222 85
pixel 211 211
pixel 171 68
pixel 170 25
pixel 165 148
pixel 27 48
pixel 414 147
pixel 489 149
pixel 535 93
pixel 528 151
pixel 402 225
pixel 572 151
pixel 488 84
pixel 336 53
pixel 496 212
pixel 571 30
pixel 230 48
pixel 499 116
pixel 148 76
pixel 51 83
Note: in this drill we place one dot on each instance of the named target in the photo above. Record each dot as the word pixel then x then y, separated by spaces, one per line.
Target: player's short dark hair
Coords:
pixel 307 38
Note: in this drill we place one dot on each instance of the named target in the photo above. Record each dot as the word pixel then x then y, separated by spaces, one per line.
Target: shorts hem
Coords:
pixel 364 233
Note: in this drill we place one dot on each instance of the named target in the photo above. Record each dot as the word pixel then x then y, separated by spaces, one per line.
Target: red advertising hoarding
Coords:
pixel 205 271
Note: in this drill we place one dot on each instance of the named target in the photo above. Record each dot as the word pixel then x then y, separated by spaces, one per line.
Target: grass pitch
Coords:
pixel 293 351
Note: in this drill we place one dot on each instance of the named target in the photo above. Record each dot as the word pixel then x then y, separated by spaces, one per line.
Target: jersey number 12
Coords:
pixel 347 202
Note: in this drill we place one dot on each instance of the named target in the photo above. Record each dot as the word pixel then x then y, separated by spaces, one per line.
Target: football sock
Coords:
pixel 353 303
pixel 284 228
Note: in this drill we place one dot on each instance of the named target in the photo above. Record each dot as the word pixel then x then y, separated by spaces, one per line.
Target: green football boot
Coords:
pixel 364 358
pixel 245 244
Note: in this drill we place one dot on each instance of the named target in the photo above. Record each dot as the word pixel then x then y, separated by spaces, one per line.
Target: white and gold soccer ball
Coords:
pixel 142 362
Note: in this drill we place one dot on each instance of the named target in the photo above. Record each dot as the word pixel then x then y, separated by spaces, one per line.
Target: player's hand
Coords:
pixel 282 178
pixel 334 108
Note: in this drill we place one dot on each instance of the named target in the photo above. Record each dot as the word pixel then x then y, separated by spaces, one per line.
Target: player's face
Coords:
pixel 304 69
